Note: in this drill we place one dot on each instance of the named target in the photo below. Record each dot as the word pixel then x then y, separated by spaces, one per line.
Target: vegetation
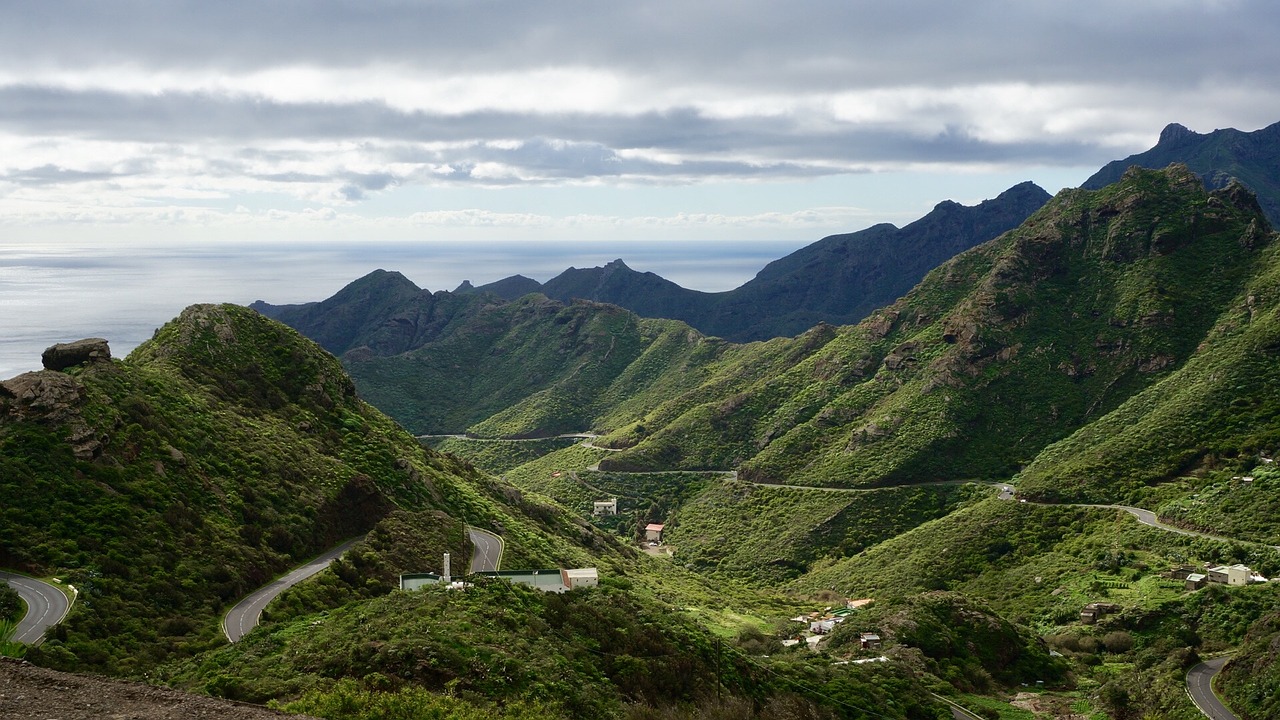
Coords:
pixel 498 456
pixel 1121 345
pixel 230 448
pixel 1249 680
pixel 11 605
pixel 770 535
pixel 959 639
pixel 593 653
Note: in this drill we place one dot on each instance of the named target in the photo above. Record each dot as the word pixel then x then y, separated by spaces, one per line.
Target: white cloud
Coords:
pixel 175 111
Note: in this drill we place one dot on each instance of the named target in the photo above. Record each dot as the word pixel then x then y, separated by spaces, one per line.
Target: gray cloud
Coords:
pixel 1104 71
pixel 552 146
pixel 827 43
pixel 50 174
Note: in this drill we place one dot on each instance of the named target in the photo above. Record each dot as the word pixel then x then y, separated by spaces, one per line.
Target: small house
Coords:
pixel 580 578
pixel 1195 581
pixel 1095 611
pixel 605 507
pixel 822 627
pixel 653 532
pixel 1231 574
pixel 869 641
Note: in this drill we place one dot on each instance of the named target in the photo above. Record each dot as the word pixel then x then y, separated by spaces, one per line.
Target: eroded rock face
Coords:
pixel 46 395
pixel 52 398
pixel 65 355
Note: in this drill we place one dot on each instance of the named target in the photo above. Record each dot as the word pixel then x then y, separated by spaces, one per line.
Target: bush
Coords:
pixel 1117 642
pixel 11 606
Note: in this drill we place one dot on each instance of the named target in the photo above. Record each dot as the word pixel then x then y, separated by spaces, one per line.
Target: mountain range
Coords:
pixel 837 280
pixel 1118 345
pixel 1252 158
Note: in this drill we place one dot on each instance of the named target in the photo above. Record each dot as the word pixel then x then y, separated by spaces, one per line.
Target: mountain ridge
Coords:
pixel 1217 157
pixel 837 280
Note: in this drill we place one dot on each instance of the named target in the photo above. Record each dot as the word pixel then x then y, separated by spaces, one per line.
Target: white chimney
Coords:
pixel 447 579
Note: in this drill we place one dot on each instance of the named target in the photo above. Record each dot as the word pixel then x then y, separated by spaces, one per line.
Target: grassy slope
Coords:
pixel 770 535
pixel 1006 348
pixel 1039 565
pixel 229 448
pixel 597 653
pixel 534 367
pixel 1220 408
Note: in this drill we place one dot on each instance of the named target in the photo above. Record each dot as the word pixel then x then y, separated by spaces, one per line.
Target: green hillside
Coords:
pixel 1218 157
pixel 226 449
pixel 535 368
pixel 997 353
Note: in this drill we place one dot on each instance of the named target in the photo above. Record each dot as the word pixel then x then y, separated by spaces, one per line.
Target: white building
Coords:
pixel 580 578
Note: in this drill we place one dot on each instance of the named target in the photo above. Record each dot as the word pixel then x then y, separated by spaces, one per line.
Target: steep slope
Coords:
pixel 222 451
pixel 1253 158
pixel 842 279
pixel 535 367
pixel 1249 680
pixel 837 280
pixel 999 352
pixel 382 312
pixel 1220 409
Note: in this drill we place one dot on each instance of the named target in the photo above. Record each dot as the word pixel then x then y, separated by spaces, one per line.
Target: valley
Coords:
pixel 1021 462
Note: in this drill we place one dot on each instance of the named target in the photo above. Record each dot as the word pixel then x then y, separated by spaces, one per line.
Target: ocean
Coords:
pixel 62 293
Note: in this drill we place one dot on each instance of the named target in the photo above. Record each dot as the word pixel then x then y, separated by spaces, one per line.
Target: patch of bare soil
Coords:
pixel 28 692
pixel 1046 706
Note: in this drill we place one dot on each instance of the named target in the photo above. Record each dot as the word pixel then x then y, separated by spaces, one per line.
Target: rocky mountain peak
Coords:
pixel 1174 133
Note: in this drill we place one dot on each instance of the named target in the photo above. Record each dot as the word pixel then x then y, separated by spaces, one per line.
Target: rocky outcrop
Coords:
pixel 51 398
pixel 65 355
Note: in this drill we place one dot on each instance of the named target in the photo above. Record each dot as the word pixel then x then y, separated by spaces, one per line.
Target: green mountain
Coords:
pixel 382 312
pixel 224 450
pixel 996 354
pixel 838 280
pixel 228 448
pixel 1252 158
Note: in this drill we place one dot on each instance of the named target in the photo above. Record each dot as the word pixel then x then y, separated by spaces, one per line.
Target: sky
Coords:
pixel 701 135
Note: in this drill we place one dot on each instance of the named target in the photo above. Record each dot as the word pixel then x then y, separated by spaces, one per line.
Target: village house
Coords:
pixel 556 580
pixel 869 641
pixel 580 578
pixel 1093 612
pixel 653 532
pixel 1195 581
pixel 1231 574
pixel 605 507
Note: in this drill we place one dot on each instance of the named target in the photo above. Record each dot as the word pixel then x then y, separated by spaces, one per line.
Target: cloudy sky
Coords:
pixel 180 150
pixel 532 119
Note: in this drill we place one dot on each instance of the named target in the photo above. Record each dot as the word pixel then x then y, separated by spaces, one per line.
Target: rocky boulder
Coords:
pixel 65 355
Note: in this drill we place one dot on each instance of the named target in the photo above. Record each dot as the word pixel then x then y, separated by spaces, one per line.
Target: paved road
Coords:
pixel 486 550
pixel 46 607
pixel 245 615
pixel 1146 517
pixel 1200 686
pixel 870 488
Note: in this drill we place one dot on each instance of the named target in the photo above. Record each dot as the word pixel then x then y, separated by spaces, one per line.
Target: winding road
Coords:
pixel 46 607
pixel 486 556
pixel 245 615
pixel 1200 688
pixel 486 550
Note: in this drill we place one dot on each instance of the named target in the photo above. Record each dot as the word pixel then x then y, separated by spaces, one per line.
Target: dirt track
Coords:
pixel 28 692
